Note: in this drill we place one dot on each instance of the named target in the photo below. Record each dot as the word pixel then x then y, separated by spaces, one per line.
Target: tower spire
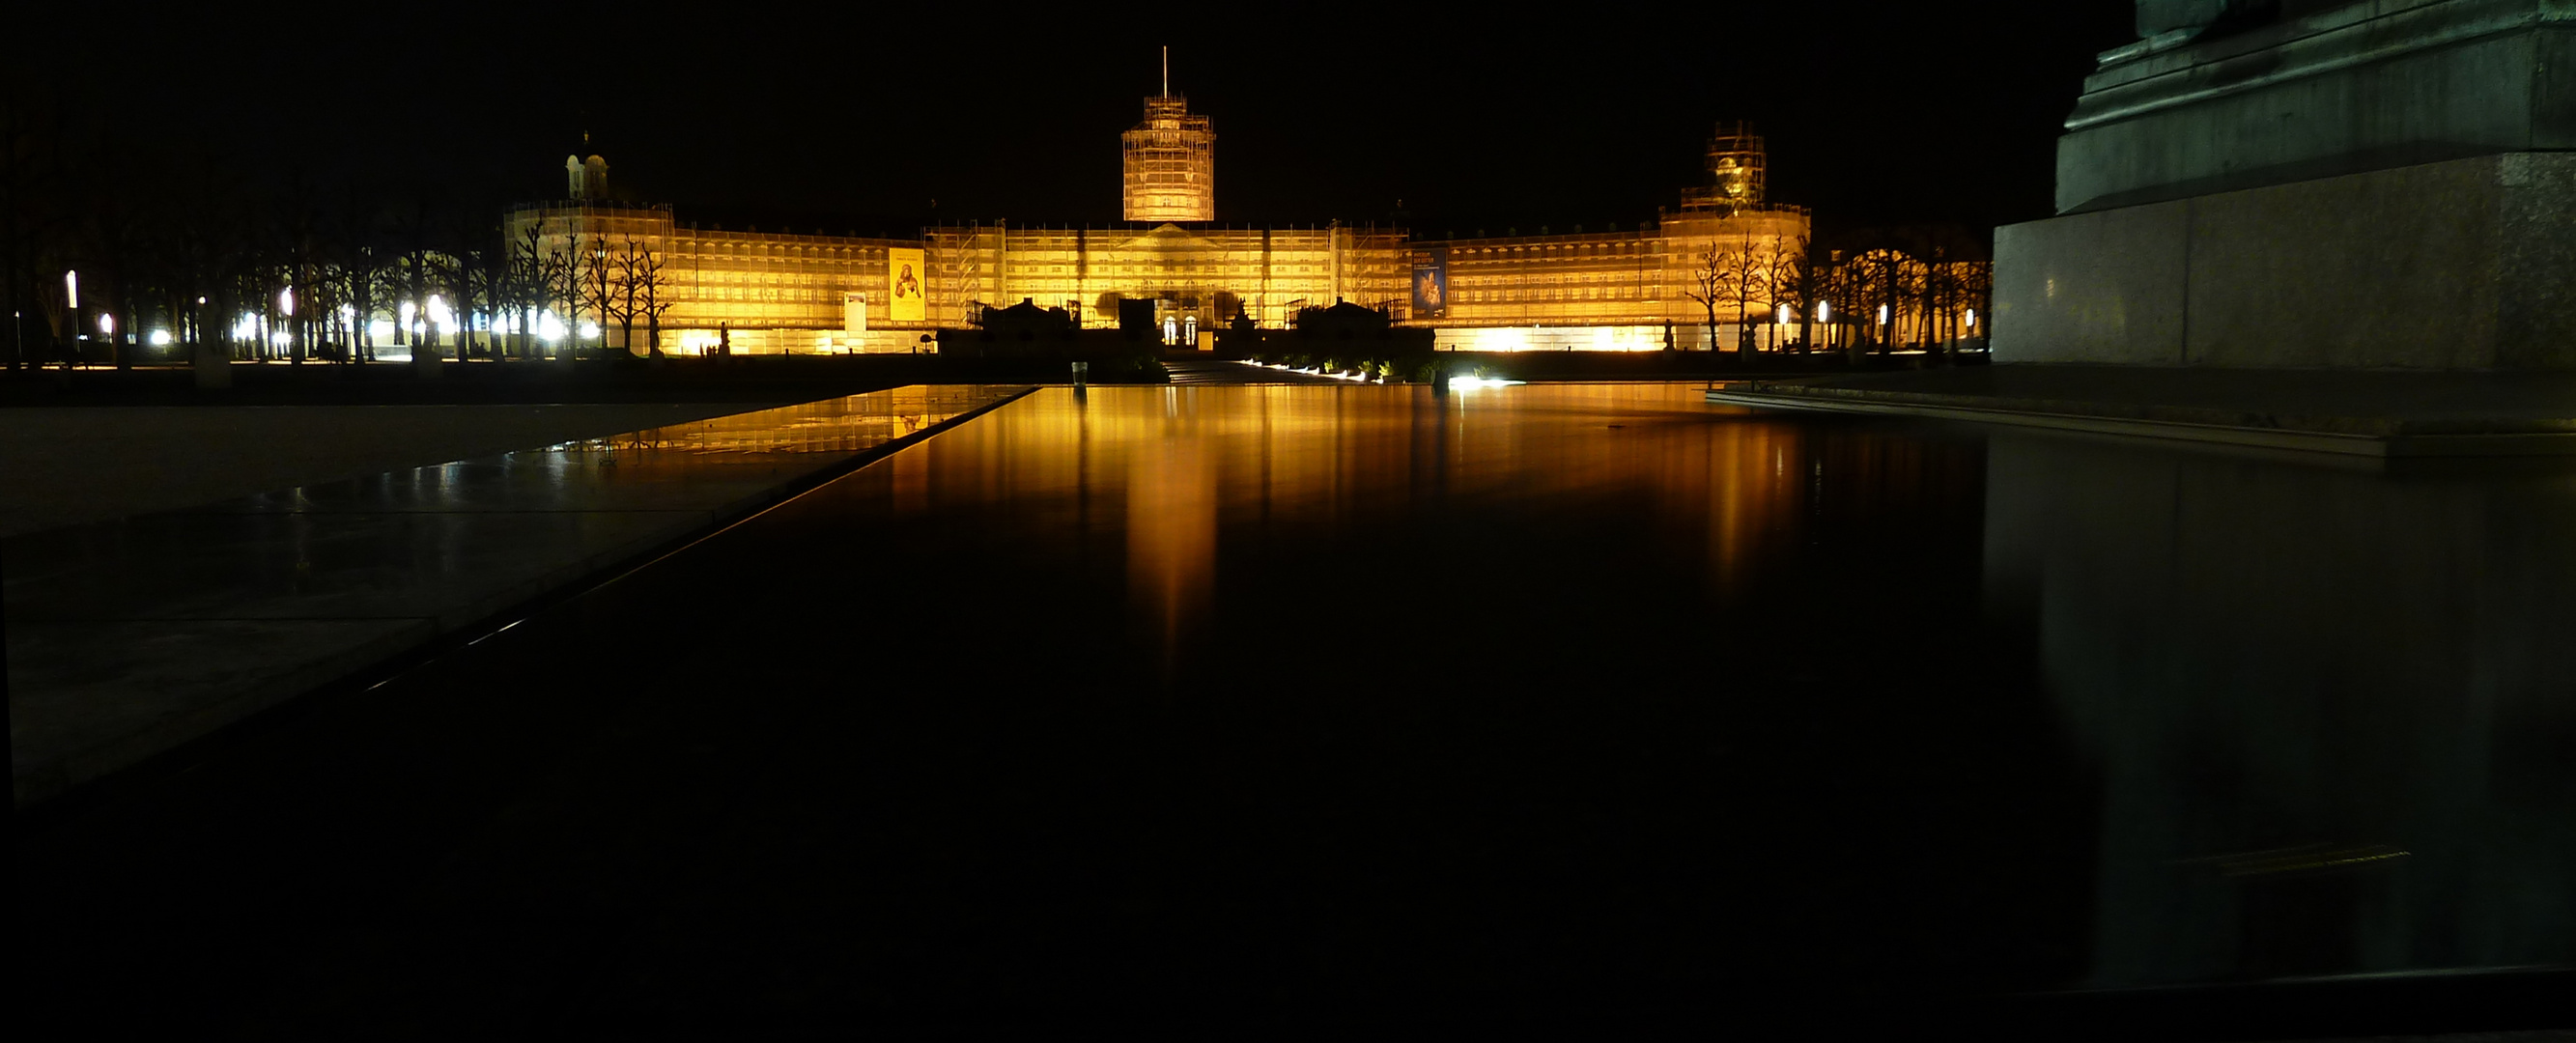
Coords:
pixel 1167 70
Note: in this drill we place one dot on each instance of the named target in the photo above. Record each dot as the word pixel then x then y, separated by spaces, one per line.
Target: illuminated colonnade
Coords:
pixel 1210 274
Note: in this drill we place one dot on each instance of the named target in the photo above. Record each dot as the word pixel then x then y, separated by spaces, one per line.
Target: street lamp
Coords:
pixel 71 316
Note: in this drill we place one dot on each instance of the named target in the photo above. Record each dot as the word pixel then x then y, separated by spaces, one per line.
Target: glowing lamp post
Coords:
pixel 71 318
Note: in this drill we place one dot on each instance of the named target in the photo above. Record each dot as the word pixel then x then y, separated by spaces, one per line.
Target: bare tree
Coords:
pixel 1742 280
pixel 595 288
pixel 622 288
pixel 1797 282
pixel 1888 280
pixel 652 281
pixel 1709 286
pixel 568 275
pixel 533 271
pixel 1759 265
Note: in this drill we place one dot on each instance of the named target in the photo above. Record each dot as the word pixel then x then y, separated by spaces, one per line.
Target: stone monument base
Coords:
pixel 2468 264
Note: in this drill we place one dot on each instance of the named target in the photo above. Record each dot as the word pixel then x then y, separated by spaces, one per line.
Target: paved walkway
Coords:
pixel 131 636
pixel 66 465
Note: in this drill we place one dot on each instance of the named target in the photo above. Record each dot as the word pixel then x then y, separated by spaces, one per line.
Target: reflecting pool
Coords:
pixel 1314 698
pixel 2026 710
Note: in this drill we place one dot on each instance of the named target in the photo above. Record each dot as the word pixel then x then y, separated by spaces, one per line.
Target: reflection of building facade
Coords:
pixel 1603 290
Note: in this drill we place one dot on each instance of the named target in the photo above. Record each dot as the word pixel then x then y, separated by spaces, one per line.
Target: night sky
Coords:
pixel 794 116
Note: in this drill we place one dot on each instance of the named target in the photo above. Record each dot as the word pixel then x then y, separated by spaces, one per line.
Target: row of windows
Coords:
pixel 1552 294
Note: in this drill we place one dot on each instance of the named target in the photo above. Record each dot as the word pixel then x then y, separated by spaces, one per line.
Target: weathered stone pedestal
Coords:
pixel 2385 184
pixel 2466 264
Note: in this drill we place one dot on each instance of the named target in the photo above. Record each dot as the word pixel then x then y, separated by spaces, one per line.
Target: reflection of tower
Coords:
pixel 1734 171
pixel 1170 160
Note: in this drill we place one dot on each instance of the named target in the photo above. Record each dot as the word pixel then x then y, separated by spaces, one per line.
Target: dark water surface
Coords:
pixel 1296 699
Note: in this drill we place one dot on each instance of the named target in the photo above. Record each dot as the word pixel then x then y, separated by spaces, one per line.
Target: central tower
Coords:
pixel 1170 160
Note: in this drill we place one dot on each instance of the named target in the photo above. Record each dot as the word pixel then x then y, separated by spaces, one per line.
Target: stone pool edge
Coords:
pixel 2376 440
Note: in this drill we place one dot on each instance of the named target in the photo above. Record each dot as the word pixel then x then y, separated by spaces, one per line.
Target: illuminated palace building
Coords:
pixel 764 293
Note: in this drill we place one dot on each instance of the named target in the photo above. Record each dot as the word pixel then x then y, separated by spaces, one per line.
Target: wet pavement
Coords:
pixel 1241 707
pixel 129 636
pixel 68 465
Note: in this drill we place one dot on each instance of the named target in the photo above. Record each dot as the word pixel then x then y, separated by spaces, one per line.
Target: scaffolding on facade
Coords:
pixel 1169 162
pixel 1735 171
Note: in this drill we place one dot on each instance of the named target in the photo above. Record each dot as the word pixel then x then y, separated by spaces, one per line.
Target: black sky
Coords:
pixel 1475 116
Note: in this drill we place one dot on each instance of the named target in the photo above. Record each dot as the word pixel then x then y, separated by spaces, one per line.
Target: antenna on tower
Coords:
pixel 1167 70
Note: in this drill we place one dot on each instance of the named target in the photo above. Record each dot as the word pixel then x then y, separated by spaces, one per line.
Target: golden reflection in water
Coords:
pixel 1176 467
pixel 833 425
pixel 1171 534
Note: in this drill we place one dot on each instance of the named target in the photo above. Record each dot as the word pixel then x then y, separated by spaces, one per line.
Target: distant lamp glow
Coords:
pixel 348 311
pixel 71 290
pixel 589 330
pixel 286 302
pixel 1882 315
pixel 1781 315
pixel 549 328
pixel 439 313
pixel 160 338
pixel 1972 318
pixel 107 324
pixel 1822 309
pixel 380 330
pixel 281 338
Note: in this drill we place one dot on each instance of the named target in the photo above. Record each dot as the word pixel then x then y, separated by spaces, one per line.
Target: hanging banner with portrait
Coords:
pixel 1431 283
pixel 907 283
